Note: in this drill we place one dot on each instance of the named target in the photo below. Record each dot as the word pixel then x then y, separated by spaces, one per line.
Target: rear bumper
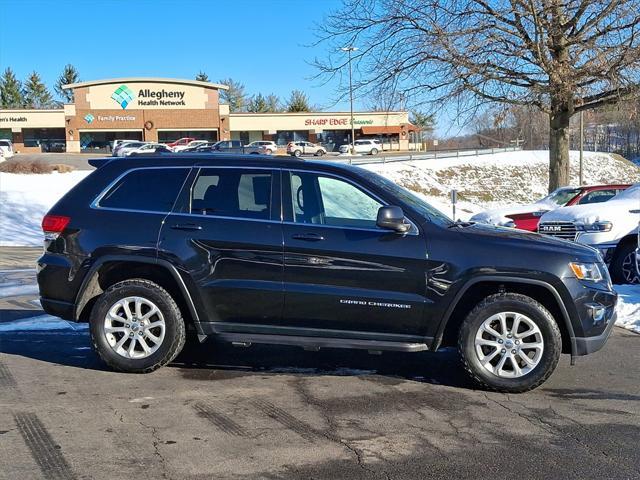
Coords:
pixel 58 308
pixel 587 345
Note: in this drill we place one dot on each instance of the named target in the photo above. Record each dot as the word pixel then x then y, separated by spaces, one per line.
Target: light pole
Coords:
pixel 350 49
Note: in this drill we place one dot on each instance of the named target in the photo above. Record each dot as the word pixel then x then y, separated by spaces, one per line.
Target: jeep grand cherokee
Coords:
pixel 315 254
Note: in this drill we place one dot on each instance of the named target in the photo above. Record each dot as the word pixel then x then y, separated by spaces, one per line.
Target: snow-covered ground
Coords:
pixel 497 180
pixel 25 199
pixel 628 307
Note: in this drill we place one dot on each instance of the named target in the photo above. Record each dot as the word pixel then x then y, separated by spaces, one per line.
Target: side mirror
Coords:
pixel 392 218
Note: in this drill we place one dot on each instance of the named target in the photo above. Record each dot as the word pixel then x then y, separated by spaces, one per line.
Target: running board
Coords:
pixel 315 343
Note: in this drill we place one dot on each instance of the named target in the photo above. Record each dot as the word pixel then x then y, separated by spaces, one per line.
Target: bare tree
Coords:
pixel 559 56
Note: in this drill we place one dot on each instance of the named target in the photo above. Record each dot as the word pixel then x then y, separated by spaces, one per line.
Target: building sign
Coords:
pixel 90 118
pixel 32 118
pixel 147 96
pixel 335 121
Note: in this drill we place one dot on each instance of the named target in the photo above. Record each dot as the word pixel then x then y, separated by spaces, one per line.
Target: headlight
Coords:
pixel 586 271
pixel 597 227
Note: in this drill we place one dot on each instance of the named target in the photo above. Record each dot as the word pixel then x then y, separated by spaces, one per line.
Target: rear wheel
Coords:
pixel 623 266
pixel 136 326
pixel 319 153
pixel 509 343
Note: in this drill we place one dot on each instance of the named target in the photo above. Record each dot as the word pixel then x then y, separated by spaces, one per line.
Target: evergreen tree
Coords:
pixel 35 93
pixel 258 104
pixel 273 103
pixel 298 102
pixel 235 97
pixel 202 77
pixel 69 76
pixel 10 90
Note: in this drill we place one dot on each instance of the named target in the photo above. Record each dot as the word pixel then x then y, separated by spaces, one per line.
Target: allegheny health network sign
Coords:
pixel 146 95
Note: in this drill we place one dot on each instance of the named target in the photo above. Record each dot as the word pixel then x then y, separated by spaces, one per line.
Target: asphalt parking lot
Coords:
pixel 279 412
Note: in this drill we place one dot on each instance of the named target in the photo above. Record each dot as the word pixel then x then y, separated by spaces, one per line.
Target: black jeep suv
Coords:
pixel 315 254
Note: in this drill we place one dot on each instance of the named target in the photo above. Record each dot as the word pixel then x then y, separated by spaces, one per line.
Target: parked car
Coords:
pixel 366 146
pixel 305 148
pixel 6 149
pixel 122 149
pixel 268 146
pixel 181 142
pixel 202 147
pixel 317 255
pixel 526 217
pixel 191 144
pixel 120 141
pixel 148 149
pixel 611 228
pixel 231 146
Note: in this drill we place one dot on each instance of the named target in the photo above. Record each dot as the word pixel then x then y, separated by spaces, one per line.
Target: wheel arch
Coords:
pixel 112 269
pixel 480 287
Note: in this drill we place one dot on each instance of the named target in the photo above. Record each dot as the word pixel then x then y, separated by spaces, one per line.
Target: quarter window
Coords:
pixel 150 189
pixel 323 200
pixel 232 193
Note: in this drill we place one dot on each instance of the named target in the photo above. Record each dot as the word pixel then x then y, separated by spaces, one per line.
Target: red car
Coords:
pixel 526 217
pixel 571 196
pixel 180 142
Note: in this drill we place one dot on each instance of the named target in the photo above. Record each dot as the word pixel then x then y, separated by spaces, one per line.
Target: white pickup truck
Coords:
pixel 611 227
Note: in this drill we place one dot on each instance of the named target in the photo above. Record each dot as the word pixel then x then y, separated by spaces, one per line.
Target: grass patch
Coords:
pixel 17 166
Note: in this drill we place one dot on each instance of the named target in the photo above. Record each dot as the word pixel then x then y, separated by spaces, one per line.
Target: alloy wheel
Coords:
pixel 630 268
pixel 134 327
pixel 509 344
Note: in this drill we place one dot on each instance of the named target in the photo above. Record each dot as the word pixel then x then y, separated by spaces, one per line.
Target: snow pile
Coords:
pixel 25 199
pixel 500 179
pixel 628 308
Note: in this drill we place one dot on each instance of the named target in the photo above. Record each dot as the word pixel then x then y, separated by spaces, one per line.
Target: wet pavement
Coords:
pixel 281 412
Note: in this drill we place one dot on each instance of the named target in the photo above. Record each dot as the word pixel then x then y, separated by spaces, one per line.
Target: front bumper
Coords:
pixel 587 345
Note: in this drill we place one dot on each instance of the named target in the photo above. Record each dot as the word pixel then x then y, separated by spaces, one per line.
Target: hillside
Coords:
pixel 500 179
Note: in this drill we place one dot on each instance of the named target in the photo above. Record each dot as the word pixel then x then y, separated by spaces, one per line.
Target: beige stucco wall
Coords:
pixel 313 122
pixel 18 119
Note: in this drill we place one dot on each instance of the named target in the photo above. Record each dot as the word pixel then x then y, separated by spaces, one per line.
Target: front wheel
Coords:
pixel 136 326
pixel 624 268
pixel 319 153
pixel 374 151
pixel 297 153
pixel 509 343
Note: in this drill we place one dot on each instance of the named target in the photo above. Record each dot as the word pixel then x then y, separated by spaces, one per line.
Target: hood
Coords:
pixel 615 209
pixel 514 238
pixel 498 216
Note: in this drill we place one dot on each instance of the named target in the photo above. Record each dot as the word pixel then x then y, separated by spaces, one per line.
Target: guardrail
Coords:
pixel 425 156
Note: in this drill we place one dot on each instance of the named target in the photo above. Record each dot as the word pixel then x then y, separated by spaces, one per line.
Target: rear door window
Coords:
pixel 598 196
pixel 230 192
pixel 147 189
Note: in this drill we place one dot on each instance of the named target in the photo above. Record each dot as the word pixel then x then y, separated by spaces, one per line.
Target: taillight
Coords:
pixel 53 225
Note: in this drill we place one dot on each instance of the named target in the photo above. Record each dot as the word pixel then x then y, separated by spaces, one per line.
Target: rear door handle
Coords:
pixel 308 237
pixel 186 226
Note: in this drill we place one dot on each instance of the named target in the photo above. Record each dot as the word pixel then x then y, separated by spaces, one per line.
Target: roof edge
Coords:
pixel 177 81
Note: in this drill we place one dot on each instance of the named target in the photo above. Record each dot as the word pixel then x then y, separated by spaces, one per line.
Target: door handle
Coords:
pixel 186 226
pixel 308 237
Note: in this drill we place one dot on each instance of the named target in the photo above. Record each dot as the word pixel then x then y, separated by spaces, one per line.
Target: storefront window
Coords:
pixel 282 137
pixel 332 139
pixel 48 139
pixel 103 141
pixel 5 134
pixel 173 135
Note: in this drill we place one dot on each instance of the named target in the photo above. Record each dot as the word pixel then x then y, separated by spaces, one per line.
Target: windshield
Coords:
pixel 632 192
pixel 560 197
pixel 418 204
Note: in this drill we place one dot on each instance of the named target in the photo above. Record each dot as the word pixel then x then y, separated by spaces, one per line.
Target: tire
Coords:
pixel 319 153
pixel 623 268
pixel 530 315
pixel 171 334
pixel 374 151
pixel 297 153
pixel 269 151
